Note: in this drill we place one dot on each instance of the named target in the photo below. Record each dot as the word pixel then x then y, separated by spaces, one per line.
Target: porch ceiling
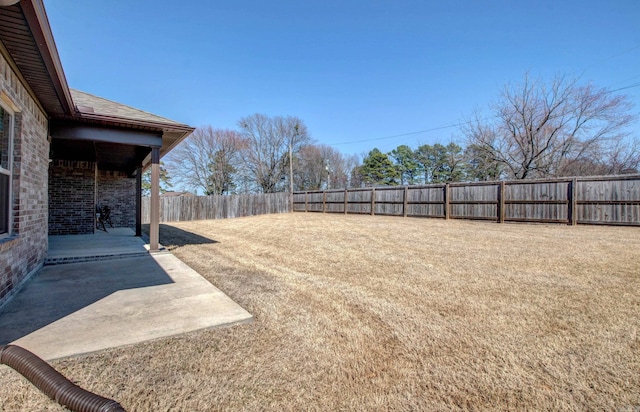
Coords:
pixel 108 156
pixel 111 148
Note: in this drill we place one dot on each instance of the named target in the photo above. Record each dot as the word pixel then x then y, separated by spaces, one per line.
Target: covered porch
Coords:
pixel 97 158
pixel 97 148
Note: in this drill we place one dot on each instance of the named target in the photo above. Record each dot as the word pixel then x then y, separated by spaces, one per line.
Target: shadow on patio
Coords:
pixel 105 290
pixel 61 290
pixel 178 236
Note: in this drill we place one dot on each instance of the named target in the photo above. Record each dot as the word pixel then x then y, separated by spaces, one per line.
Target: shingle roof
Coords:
pixel 93 106
pixel 94 109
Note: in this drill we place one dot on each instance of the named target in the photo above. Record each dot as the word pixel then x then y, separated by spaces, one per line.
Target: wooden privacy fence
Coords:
pixel 608 200
pixel 185 208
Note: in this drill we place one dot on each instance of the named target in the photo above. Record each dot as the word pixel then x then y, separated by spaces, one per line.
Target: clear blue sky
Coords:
pixel 352 70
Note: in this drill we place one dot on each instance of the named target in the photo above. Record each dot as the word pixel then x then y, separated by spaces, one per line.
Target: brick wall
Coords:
pixel 118 191
pixel 71 197
pixel 74 191
pixel 23 253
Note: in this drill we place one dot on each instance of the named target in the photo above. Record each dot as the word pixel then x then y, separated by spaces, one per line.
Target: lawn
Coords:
pixel 386 313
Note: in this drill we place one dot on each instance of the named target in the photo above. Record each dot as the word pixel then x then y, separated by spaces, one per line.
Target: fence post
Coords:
pixel 501 191
pixel 446 201
pixel 306 202
pixel 373 201
pixel 572 213
pixel 405 199
pixel 346 196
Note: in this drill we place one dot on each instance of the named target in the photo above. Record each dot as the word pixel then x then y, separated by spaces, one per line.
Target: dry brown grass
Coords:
pixel 382 313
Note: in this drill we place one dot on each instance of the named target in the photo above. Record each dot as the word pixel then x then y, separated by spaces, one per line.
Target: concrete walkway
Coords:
pixel 77 308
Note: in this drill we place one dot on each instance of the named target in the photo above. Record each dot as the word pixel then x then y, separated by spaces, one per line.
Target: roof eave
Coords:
pixel 183 130
pixel 36 17
pixel 134 122
pixel 176 142
pixel 146 163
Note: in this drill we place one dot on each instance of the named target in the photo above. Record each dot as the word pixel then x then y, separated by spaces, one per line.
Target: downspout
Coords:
pixel 53 384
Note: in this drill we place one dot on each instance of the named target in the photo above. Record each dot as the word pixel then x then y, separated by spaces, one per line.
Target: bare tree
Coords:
pixel 544 129
pixel 268 141
pixel 207 160
pixel 478 166
pixel 623 158
pixel 352 169
pixel 320 167
pixel 311 168
pixel 340 167
pixel 620 157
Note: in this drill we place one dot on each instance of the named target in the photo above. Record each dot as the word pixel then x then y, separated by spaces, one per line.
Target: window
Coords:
pixel 6 157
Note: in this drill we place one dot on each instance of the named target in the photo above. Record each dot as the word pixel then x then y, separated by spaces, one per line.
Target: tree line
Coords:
pixel 266 154
pixel 535 129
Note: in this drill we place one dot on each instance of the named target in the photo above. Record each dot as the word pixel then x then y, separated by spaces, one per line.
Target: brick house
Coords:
pixel 62 151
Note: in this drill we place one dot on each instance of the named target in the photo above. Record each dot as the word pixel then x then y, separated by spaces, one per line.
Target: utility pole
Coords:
pixel 328 176
pixel 291 174
pixel 290 168
pixel 296 130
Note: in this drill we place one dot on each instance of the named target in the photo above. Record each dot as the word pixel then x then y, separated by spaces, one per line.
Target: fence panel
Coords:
pixel 187 208
pixel 612 200
pixel 359 201
pixel 299 202
pixel 145 212
pixel 389 201
pixel 609 201
pixel 315 201
pixel 334 201
pixel 426 201
pixel 474 201
pixel 537 201
pixel 585 200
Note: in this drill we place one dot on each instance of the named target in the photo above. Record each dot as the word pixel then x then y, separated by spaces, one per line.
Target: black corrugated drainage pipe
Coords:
pixel 53 384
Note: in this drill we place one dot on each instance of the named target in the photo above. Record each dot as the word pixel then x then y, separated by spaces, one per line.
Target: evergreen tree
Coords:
pixel 378 169
pixel 441 163
pixel 407 164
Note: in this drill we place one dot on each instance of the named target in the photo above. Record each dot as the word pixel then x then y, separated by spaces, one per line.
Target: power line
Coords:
pixel 450 125
pixel 625 80
pixel 606 59
pixel 631 86
pixel 402 135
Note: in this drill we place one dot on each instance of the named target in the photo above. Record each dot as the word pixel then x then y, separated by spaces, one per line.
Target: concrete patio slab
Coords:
pixel 78 308
pixel 116 243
